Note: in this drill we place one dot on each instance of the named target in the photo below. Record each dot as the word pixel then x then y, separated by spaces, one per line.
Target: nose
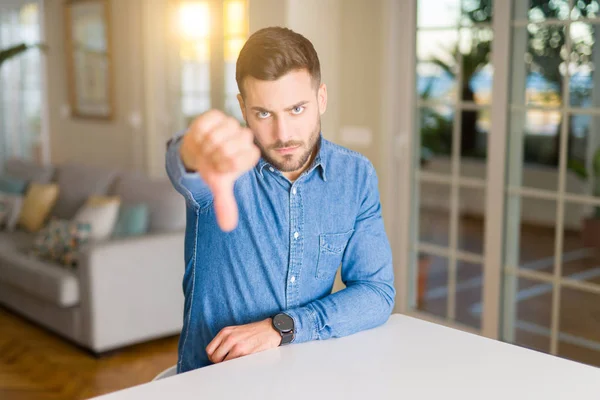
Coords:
pixel 282 130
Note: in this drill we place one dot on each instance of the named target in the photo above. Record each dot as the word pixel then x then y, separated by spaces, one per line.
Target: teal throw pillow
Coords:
pixel 12 185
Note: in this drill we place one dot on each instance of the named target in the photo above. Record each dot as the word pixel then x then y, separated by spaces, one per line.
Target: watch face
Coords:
pixel 283 322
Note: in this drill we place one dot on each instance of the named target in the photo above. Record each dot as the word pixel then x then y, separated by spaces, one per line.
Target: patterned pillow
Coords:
pixel 61 240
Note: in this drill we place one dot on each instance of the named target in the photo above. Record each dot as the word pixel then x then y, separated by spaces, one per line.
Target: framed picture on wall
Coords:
pixel 89 66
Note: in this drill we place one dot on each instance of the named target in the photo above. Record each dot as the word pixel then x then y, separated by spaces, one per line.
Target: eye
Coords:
pixel 263 114
pixel 297 110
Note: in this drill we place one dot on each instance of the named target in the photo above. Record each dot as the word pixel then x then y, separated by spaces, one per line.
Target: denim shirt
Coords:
pixel 284 254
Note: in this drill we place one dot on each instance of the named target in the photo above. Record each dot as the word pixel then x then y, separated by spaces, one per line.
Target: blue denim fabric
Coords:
pixel 284 254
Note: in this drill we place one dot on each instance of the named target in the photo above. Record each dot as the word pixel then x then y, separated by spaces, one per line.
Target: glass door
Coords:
pixel 551 269
pixel 504 171
pixel 454 77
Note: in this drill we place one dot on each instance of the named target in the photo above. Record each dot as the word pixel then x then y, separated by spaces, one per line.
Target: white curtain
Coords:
pixel 20 82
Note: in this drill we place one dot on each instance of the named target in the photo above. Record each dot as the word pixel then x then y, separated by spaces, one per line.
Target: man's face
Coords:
pixel 285 117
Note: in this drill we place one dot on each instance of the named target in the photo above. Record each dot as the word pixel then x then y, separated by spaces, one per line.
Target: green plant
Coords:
pixel 436 130
pixel 472 59
pixel 7 54
pixel 579 168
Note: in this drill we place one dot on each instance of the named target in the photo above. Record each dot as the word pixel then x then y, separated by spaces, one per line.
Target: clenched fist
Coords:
pixel 220 150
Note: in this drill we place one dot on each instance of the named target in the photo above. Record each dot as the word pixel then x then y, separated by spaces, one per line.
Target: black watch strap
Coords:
pixel 286 337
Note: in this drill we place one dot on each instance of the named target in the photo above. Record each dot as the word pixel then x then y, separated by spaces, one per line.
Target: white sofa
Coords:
pixel 124 291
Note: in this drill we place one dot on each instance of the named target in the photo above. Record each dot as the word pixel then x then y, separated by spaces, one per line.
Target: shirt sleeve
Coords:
pixel 367 271
pixel 188 183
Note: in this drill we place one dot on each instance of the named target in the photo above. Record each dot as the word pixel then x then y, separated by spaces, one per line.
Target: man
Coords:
pixel 272 212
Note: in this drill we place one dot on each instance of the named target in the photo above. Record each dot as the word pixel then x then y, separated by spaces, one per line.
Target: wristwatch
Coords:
pixel 284 324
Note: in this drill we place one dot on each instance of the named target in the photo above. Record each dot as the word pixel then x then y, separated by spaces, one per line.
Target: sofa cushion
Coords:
pixel 11 185
pixel 16 241
pixel 166 206
pixel 44 280
pixel 100 216
pixel 77 183
pixel 29 171
pixel 132 220
pixel 37 204
pixel 11 205
pixel 60 241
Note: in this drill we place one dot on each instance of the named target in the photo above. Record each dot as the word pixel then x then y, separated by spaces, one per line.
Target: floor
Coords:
pixel 36 365
pixel 579 326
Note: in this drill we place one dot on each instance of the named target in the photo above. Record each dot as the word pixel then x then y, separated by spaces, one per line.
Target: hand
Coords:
pixel 220 150
pixel 238 341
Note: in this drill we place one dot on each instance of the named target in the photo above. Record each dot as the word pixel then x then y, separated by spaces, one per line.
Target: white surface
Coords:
pixel 171 371
pixel 404 359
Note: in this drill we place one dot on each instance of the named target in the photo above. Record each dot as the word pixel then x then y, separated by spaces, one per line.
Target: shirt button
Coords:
pixel 293 279
pixel 294 191
pixel 271 169
pixel 296 235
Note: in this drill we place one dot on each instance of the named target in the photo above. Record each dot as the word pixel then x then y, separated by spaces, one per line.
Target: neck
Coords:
pixel 292 176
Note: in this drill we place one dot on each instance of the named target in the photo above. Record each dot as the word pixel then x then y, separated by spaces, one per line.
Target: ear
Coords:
pixel 322 98
pixel 242 106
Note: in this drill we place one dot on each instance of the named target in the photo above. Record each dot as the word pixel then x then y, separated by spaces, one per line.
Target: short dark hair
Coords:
pixel 272 52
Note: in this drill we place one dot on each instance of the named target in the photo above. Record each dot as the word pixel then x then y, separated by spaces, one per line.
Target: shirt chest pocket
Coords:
pixel 331 251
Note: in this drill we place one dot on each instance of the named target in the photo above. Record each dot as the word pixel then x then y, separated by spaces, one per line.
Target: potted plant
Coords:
pixel 590 229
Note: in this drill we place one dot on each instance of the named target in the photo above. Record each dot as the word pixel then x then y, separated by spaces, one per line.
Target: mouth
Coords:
pixel 287 150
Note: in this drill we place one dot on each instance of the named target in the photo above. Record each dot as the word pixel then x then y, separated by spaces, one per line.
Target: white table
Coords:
pixel 404 359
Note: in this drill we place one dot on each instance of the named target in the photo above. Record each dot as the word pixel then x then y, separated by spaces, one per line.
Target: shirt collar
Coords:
pixel 319 160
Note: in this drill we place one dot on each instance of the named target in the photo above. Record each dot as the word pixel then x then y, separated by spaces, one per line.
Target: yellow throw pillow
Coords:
pixel 96 201
pixel 37 204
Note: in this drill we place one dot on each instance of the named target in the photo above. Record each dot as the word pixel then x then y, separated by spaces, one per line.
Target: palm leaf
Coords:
pixel 14 51
pixel 445 66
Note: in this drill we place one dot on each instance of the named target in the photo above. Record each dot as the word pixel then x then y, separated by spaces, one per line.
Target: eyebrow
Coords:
pixel 287 109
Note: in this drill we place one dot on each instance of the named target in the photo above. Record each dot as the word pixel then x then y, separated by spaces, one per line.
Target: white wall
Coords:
pixel 264 13
pixel 113 143
pixel 319 22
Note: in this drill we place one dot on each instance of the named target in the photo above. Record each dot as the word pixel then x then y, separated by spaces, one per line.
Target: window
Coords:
pixel 558 45
pixel 20 84
pixel 210 34
pixel 454 90
pixel 527 225
pixel 454 75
